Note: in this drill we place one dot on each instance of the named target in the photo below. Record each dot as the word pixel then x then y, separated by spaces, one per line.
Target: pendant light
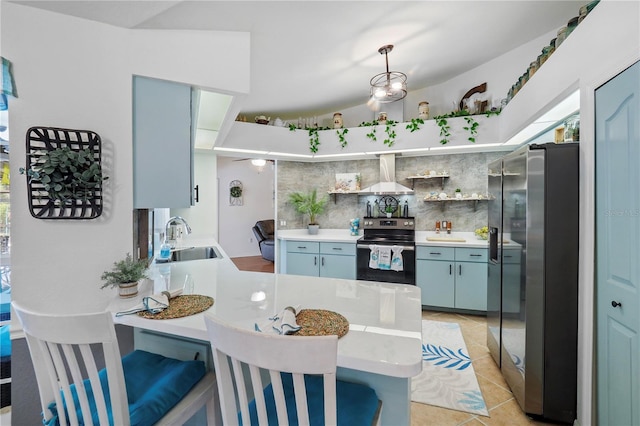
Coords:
pixel 389 86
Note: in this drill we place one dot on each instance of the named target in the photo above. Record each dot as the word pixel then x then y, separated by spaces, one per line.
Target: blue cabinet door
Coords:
pixel 334 266
pixel 471 285
pixel 303 264
pixel 162 144
pixel 437 282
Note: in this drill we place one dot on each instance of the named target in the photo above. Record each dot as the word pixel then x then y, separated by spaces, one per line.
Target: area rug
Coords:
pixel 447 378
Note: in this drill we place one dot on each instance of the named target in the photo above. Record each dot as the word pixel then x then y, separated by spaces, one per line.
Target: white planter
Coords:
pixel 127 290
pixel 458 195
pixel 313 229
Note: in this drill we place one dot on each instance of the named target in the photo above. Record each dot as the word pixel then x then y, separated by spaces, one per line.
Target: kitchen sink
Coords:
pixel 194 253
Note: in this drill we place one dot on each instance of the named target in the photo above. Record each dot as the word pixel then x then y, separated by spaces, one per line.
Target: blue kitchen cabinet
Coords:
pixel 452 277
pixel 321 259
pixel 162 144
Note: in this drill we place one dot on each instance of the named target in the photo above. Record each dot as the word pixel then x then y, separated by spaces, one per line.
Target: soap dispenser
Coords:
pixel 165 248
pixel 376 208
pixel 368 208
pixel 405 209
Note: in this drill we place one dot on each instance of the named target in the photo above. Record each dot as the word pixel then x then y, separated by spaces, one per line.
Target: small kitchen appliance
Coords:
pixel 386 233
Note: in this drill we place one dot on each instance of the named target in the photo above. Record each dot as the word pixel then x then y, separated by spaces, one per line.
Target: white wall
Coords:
pixel 499 74
pixel 203 217
pixel 235 234
pixel 76 73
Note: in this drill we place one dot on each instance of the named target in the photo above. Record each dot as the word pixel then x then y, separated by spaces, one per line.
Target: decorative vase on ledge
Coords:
pixel 313 229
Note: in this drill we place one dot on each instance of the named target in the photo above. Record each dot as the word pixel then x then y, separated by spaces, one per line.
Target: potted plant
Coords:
pixel 309 204
pixel 458 193
pixel 389 210
pixel 125 274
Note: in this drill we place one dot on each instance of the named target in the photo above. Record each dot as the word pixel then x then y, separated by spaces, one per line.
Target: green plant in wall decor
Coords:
pixel 64 173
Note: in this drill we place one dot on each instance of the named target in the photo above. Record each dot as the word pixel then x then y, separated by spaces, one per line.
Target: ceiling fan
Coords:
pixel 259 163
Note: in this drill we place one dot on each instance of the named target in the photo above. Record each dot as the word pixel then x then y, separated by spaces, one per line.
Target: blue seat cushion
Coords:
pixel 357 404
pixel 5 343
pixel 154 385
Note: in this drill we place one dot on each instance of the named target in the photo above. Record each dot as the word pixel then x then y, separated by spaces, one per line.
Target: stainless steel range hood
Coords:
pixel 387 183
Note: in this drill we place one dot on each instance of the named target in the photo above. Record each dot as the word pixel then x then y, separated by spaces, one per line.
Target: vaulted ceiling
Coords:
pixel 315 57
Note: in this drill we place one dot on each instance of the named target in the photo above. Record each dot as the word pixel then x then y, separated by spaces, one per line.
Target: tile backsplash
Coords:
pixel 466 171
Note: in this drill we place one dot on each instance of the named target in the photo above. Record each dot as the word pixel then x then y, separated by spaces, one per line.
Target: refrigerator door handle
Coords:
pixel 493 244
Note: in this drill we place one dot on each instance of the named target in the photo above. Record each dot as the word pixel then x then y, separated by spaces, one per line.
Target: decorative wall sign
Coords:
pixel 235 193
pixel 64 173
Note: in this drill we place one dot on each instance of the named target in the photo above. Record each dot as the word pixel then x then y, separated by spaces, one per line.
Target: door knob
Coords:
pixel 615 304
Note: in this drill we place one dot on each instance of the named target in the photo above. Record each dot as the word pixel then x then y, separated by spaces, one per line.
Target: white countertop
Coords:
pixel 384 319
pixel 470 239
pixel 332 235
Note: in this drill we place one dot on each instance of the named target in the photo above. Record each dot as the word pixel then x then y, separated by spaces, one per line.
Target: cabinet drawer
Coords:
pixel 435 253
pixel 338 248
pixel 303 247
pixel 511 256
pixel 471 254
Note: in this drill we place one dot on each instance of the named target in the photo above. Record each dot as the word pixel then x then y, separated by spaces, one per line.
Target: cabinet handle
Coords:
pixel 615 304
pixel 315 261
pixel 302 247
pixel 459 269
pixel 197 189
pixel 337 248
pixel 508 256
pixel 435 252
pixel 475 255
pixel 322 260
pixel 449 269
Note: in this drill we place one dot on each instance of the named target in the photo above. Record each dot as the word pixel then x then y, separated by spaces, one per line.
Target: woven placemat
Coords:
pixel 182 306
pixel 319 322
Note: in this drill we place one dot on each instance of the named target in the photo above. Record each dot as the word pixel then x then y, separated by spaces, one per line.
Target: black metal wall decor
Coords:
pixel 64 174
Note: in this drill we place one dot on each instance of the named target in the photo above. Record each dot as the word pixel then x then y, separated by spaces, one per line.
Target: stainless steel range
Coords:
pixel 386 251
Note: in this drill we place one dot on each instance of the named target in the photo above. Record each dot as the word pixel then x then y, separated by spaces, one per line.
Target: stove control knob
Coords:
pixel 406 224
pixel 411 223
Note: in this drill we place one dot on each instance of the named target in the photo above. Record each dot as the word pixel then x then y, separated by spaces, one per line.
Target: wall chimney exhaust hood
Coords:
pixel 387 184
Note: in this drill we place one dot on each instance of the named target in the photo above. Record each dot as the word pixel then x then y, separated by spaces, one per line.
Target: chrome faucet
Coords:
pixel 172 236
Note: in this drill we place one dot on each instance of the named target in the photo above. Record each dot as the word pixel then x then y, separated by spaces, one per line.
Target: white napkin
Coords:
pixel 373 256
pixel 281 323
pixel 396 258
pixel 384 257
pixel 155 303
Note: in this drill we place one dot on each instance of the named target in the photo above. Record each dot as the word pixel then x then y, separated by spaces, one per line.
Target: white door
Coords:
pixel 618 248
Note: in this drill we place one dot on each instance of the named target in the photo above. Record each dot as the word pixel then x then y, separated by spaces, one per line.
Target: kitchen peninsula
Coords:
pixel 382 347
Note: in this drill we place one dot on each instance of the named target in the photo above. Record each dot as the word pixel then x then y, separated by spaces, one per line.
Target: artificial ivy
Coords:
pixel 341 138
pixel 415 124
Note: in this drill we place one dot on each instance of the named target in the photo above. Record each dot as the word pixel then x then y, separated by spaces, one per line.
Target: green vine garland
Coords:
pixel 341 138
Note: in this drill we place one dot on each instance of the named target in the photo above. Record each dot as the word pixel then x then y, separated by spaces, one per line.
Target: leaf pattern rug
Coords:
pixel 447 378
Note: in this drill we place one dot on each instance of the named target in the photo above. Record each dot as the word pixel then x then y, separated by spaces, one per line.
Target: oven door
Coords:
pixel 406 276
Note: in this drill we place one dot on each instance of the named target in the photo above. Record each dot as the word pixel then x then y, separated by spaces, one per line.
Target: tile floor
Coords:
pixel 502 406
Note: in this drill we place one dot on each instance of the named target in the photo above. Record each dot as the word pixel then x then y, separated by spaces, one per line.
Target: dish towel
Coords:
pixel 281 323
pixel 154 304
pixel 396 258
pixel 373 256
pixel 384 257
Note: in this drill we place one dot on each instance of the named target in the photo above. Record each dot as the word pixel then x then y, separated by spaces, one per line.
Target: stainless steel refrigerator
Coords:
pixel 532 299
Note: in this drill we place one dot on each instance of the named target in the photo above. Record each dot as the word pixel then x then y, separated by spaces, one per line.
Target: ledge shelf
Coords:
pixel 413 179
pixel 333 193
pixel 442 201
